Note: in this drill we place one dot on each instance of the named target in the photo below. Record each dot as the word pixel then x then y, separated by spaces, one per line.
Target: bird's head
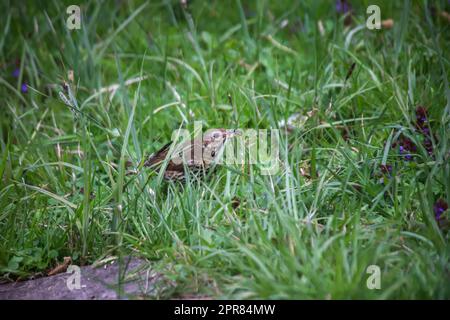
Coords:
pixel 219 135
pixel 214 140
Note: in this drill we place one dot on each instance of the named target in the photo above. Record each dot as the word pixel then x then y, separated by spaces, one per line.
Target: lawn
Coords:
pixel 364 172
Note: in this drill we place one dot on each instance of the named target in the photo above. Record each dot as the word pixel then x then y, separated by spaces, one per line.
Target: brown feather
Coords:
pixel 209 148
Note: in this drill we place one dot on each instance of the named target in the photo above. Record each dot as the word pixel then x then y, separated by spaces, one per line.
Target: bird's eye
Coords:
pixel 216 135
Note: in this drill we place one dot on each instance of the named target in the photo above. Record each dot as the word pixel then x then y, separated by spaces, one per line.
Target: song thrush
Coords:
pixel 198 155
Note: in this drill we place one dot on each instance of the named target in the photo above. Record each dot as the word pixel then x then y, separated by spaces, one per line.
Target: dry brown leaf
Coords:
pixel 235 203
pixel 61 267
pixel 70 76
pixel 387 24
pixel 445 15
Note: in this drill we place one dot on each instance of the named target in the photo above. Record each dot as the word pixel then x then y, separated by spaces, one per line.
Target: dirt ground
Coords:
pixel 94 283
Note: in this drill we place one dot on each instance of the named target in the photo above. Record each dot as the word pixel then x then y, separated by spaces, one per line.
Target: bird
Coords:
pixel 198 155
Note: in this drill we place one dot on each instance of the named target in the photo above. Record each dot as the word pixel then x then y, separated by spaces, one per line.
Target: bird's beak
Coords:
pixel 233 132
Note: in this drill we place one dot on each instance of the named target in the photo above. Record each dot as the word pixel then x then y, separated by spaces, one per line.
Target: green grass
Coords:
pixel 64 190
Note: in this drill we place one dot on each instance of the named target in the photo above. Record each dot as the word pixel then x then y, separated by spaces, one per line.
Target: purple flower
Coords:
pixel 428 144
pixel 345 9
pixel 422 126
pixel 421 119
pixel 439 208
pixel 24 88
pixel 406 146
pixel 386 168
pixel 16 73
pixel 421 112
pixel 384 174
pixel 342 6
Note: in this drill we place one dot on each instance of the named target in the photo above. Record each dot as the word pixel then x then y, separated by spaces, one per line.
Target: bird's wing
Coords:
pixel 158 157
